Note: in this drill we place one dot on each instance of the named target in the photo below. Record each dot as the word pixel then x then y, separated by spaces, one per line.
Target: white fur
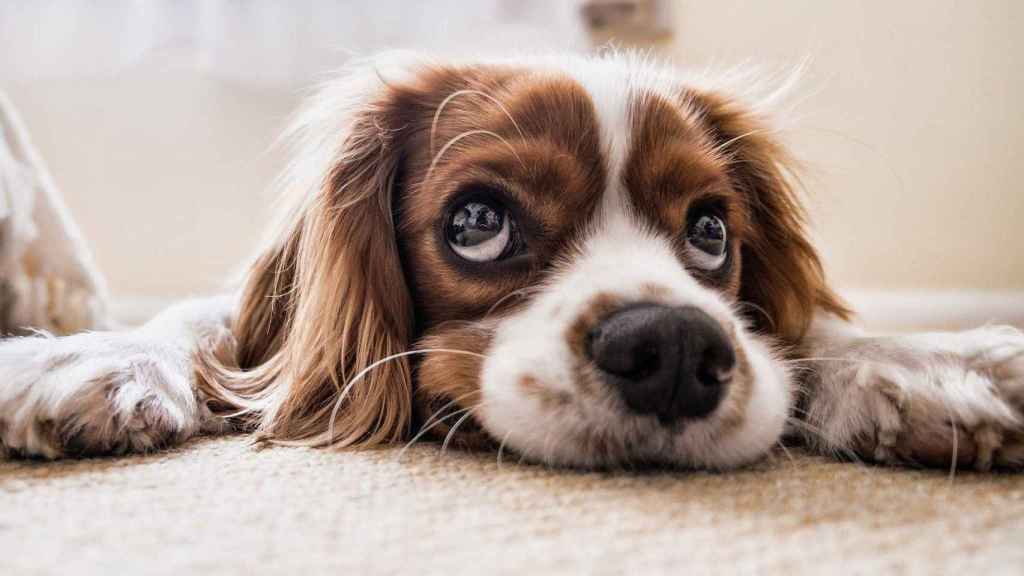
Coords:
pixel 133 390
pixel 890 398
pixel 108 392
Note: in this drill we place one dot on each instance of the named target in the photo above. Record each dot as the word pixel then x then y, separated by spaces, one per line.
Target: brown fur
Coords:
pixel 360 274
pixel 781 275
pixel 446 382
pixel 599 307
pixel 326 302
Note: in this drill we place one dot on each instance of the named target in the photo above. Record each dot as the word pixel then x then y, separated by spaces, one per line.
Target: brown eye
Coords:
pixel 481 232
pixel 706 242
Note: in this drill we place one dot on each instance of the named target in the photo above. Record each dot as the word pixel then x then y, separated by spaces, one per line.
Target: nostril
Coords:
pixel 629 345
pixel 711 378
pixel 623 357
pixel 717 366
pixel 665 361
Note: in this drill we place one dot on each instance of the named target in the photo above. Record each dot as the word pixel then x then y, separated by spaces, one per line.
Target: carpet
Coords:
pixel 221 506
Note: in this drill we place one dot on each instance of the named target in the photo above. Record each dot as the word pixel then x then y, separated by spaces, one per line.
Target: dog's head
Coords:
pixel 594 259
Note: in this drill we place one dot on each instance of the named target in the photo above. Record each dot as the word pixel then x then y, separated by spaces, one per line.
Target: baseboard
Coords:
pixel 879 310
pixel 947 310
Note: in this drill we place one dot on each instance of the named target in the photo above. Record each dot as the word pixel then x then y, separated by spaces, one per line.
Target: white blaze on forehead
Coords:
pixel 613 82
pixel 609 92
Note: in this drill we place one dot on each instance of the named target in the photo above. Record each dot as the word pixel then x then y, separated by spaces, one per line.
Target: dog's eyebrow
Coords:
pixel 670 161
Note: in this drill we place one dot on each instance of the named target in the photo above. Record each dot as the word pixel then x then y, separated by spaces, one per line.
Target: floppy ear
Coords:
pixel 781 271
pixel 326 299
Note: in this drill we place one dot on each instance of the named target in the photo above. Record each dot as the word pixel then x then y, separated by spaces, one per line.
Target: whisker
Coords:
pixel 448 437
pixel 723 146
pixel 801 369
pixel 819 433
pixel 833 359
pixel 420 434
pixel 362 374
pixel 431 423
pixel 514 293
pixel 886 162
pixel 501 448
pixel 763 312
pixel 466 134
pixel 456 94
pixel 445 407
pixel 956 451
pixel 956 435
pixel 859 361
pixel 545 449
pixel 785 451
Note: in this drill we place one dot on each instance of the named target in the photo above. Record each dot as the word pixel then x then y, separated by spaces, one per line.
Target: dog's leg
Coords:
pixel 936 399
pixel 111 392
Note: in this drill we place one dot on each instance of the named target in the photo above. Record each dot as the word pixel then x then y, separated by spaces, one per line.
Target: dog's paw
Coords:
pixel 93 394
pixel 930 399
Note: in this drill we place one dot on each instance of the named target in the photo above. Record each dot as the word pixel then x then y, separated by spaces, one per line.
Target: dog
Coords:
pixel 589 261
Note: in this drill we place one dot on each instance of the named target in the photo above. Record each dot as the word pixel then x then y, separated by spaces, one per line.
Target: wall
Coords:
pixel 909 123
pixel 166 171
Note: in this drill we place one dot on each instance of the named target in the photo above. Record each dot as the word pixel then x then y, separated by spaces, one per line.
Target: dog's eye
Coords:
pixel 482 232
pixel 706 242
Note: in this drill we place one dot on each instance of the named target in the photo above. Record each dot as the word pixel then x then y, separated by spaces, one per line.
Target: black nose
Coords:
pixel 670 362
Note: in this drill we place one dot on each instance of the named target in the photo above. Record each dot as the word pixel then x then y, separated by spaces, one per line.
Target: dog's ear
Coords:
pixel 782 275
pixel 325 307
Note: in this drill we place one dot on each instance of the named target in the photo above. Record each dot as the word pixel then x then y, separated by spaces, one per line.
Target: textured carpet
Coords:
pixel 220 506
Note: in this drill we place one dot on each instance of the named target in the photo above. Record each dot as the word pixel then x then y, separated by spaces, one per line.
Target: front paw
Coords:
pixel 92 394
pixel 930 399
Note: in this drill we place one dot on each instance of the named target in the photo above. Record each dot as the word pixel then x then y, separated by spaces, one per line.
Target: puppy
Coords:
pixel 588 261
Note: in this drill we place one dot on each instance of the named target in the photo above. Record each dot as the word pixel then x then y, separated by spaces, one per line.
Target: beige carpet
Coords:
pixel 218 506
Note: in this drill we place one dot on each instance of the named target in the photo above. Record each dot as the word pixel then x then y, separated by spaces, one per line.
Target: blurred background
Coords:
pixel 158 118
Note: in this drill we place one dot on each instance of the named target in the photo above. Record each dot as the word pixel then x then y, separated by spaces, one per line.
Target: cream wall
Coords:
pixel 165 170
pixel 909 121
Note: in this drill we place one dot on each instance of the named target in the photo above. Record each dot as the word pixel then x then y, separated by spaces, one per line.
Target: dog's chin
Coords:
pixel 532 406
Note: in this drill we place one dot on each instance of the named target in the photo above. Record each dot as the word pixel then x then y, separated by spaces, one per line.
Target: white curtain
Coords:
pixel 263 40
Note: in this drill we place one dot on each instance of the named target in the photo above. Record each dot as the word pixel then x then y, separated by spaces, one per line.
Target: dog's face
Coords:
pixel 594 260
